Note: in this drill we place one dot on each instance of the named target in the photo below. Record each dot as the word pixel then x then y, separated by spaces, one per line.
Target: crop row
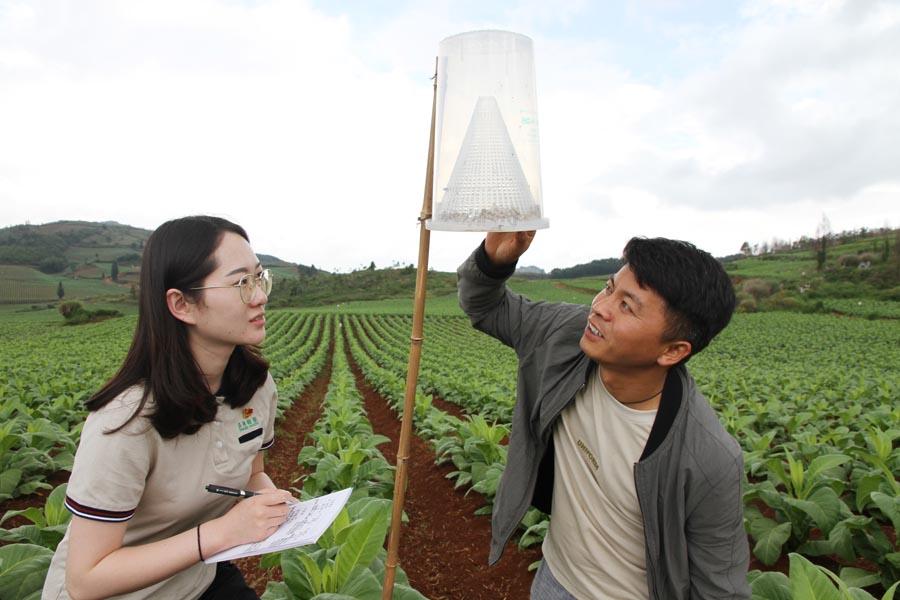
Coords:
pixel 812 399
pixel 348 560
pixel 819 437
pixel 452 345
pixel 473 444
pixel 48 372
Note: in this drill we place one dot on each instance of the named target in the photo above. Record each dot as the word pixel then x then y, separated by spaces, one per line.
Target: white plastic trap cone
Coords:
pixel 487 160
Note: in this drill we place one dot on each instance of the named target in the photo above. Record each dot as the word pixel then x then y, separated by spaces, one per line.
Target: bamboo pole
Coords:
pixel 412 371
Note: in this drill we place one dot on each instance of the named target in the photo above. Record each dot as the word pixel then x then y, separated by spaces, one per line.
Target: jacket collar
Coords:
pixel 669 407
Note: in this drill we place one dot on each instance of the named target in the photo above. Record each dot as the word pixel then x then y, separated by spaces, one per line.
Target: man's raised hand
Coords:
pixel 505 247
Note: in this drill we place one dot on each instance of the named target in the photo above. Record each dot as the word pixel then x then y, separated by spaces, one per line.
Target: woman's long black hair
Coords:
pixel 179 255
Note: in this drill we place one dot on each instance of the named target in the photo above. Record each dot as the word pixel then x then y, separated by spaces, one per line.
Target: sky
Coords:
pixel 307 121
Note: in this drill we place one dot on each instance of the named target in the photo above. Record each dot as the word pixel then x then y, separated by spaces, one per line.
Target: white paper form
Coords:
pixel 305 523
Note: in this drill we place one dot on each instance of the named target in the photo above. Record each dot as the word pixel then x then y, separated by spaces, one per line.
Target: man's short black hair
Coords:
pixel 698 293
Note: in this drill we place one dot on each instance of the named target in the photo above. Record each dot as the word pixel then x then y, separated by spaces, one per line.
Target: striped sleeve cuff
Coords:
pixel 269 444
pixel 97 514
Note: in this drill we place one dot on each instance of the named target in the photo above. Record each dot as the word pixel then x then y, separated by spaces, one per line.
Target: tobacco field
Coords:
pixel 812 399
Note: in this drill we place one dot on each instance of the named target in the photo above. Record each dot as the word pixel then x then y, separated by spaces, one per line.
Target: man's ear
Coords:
pixel 180 308
pixel 673 353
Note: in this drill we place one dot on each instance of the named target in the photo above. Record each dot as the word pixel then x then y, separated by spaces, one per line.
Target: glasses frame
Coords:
pixel 256 281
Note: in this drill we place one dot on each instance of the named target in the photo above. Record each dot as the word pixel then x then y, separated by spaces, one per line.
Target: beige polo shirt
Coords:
pixel 595 546
pixel 158 485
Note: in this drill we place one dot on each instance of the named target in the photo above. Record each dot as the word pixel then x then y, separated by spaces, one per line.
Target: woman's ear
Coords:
pixel 674 353
pixel 180 308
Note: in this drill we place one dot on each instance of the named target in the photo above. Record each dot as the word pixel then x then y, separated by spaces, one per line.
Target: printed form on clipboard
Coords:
pixel 306 522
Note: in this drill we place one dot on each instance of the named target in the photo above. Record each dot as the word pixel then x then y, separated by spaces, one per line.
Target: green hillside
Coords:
pixel 858 274
pixel 82 256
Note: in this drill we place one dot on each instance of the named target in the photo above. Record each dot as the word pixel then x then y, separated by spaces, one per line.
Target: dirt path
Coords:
pixel 444 547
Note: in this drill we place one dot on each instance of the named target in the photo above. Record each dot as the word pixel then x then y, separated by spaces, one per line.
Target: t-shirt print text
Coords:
pixel 587 454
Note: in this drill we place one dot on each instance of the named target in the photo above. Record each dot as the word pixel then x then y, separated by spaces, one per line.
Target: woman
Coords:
pixel 193 404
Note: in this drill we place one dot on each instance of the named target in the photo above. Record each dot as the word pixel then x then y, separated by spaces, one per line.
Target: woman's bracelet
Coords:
pixel 199 549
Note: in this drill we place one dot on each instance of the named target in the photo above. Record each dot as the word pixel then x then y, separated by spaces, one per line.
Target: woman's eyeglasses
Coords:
pixel 247 285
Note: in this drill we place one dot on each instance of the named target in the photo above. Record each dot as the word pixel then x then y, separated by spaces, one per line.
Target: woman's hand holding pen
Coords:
pixel 249 520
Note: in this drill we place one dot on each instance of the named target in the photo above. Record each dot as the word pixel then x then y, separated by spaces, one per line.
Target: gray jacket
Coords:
pixel 688 479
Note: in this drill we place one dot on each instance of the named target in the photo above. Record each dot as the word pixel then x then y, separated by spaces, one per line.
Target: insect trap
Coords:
pixel 483 173
pixel 487 171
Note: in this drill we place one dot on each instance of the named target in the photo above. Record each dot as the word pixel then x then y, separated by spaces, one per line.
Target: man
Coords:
pixel 610 430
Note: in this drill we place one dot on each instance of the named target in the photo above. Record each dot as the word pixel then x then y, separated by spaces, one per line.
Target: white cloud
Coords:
pixel 799 115
pixel 311 130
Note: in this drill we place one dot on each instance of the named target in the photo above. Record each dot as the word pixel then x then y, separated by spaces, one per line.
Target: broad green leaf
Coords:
pixel 361 546
pixel 816 547
pixel 341 521
pixel 797 475
pixel 823 506
pixel 31 487
pixel 277 590
pixel 768 546
pixel 29 534
pixel 329 468
pixel 889 594
pixel 55 511
pixel 823 463
pixel 33 514
pixel 23 568
pixel 9 479
pixel 362 584
pixel 770 585
pixel 333 536
pixel 860 578
pixel 808 582
pixel 865 486
pixel 297 575
pixel 841 538
pixel 771 496
pixel 270 561
pixel 890 506
pixel 757 524
pixel 365 507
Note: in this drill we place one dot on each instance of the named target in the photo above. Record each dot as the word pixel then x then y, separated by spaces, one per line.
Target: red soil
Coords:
pixel 281 460
pixel 444 547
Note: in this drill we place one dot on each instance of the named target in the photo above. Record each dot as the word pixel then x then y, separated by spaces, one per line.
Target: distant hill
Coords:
pixel 530 271
pixel 61 245
pixel 604 266
pixel 274 261
pixel 858 272
pixel 81 256
pixel 324 288
pixel 53 247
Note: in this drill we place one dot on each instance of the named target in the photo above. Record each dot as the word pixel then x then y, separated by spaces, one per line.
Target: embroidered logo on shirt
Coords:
pixel 248 412
pixel 587 454
pixel 247 424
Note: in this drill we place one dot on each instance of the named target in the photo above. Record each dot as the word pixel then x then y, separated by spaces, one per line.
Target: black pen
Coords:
pixel 227 491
